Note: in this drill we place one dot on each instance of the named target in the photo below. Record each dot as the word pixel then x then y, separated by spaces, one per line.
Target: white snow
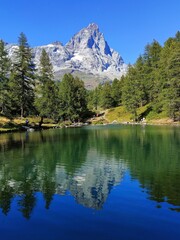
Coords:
pixel 87 52
pixel 77 57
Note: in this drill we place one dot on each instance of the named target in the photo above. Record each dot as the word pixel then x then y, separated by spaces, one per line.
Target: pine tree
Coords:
pixel 4 72
pixel 106 99
pixel 151 60
pixel 22 78
pixel 162 83
pixel 93 98
pixel 116 92
pixel 169 76
pixel 140 77
pixel 72 94
pixel 45 100
pixel 177 37
pixel 172 93
pixel 132 95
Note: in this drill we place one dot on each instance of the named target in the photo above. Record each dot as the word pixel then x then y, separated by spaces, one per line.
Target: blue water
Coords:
pixel 115 182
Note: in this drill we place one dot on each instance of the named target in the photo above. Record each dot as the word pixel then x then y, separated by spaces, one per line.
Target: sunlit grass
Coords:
pixel 7 125
pixel 118 114
pixel 3 120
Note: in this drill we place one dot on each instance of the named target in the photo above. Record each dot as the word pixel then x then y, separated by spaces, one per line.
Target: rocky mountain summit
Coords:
pixel 86 55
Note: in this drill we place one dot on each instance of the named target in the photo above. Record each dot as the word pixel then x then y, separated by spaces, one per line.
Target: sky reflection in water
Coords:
pixel 103 183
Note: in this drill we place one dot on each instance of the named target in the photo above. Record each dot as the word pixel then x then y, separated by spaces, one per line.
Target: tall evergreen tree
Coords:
pixel 106 99
pixel 168 98
pixel 4 79
pixel 162 83
pixel 132 95
pixel 172 93
pixel 151 60
pixel 72 94
pixel 177 37
pixel 140 79
pixel 116 92
pixel 45 100
pixel 22 78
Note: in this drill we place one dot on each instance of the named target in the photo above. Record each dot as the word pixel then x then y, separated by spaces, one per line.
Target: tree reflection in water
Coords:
pixel 88 162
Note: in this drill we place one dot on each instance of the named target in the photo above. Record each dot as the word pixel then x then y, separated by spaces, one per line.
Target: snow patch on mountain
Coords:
pixel 87 53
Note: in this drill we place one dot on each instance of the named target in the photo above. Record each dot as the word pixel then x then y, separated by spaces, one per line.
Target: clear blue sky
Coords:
pixel 128 25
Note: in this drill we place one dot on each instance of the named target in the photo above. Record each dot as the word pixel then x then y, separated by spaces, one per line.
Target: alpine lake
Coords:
pixel 101 183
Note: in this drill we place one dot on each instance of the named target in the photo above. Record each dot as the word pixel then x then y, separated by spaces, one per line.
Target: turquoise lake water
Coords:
pixel 105 182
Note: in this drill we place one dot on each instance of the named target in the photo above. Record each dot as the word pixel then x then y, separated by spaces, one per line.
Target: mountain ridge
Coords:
pixel 86 55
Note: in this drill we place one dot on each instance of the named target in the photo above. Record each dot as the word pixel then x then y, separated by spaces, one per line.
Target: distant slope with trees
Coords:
pixel 154 80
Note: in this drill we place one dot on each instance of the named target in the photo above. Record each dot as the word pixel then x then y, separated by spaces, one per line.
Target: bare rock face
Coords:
pixel 86 55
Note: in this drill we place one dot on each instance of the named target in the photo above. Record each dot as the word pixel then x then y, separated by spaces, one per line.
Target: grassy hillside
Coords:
pixel 118 114
pixel 121 115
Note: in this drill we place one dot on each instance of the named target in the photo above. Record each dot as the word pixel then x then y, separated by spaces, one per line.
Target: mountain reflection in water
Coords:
pixel 87 163
pixel 54 164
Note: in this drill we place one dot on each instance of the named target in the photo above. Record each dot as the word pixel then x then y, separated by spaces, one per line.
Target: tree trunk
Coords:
pixel 135 116
pixel 41 122
pixel 22 112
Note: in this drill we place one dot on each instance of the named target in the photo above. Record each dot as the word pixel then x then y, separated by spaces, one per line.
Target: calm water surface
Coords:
pixel 109 182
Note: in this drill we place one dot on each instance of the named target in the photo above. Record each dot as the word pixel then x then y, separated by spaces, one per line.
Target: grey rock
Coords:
pixel 86 55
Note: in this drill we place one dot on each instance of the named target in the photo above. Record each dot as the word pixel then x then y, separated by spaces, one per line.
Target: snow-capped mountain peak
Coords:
pixel 86 54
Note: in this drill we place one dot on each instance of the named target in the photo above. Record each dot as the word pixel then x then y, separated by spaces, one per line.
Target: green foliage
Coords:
pixel 22 79
pixel 72 96
pixel 46 91
pixel 141 82
pixel 119 114
pixel 150 67
pixel 93 98
pixel 155 80
pixel 116 92
pixel 172 85
pixel 132 92
pixel 106 95
pixel 168 83
pixel 4 71
pixel 106 100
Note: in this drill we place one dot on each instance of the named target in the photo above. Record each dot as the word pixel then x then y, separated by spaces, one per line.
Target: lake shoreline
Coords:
pixel 57 126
